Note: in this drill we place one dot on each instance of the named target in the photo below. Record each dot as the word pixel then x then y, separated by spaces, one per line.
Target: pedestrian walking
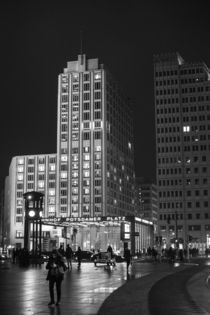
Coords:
pixel 69 256
pixel 127 256
pixel 79 256
pixel 56 268
pixel 109 252
pixel 61 250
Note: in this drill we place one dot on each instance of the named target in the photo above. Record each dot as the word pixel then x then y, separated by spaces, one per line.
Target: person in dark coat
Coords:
pixel 127 256
pixel 69 256
pixel 56 268
pixel 79 256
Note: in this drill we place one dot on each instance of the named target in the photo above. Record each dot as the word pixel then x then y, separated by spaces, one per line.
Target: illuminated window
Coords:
pixel 41 167
pixel 86 157
pixel 75 157
pixel 75 182
pixel 75 165
pixel 75 199
pixel 51 200
pixel 97 75
pixel 86 190
pixel 20 176
pixel 98 148
pixel 19 202
pixel 75 190
pixel 19 234
pixel 41 184
pixel 63 174
pixel 20 161
pixel 51 208
pixel 86 165
pixel 52 167
pixel 186 128
pixel 75 77
pixel 97 156
pixel 51 192
pixel 74 208
pixel 86 173
pixel 75 174
pixel 20 169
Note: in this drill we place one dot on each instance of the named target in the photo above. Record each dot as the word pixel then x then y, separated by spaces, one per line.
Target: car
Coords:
pixel 3 257
pixel 86 255
pixel 104 258
pixel 45 257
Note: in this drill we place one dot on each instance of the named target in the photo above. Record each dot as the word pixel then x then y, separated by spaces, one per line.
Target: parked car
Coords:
pixel 45 257
pixel 104 258
pixel 3 257
pixel 86 255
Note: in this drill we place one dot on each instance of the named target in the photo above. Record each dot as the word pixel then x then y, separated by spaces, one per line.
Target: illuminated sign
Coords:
pixel 61 220
pixel 125 231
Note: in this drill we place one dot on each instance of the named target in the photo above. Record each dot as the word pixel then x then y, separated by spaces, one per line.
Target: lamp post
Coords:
pixel 33 216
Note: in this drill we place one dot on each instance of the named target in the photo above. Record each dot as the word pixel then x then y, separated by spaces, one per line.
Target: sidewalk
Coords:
pixel 199 289
pixel 132 297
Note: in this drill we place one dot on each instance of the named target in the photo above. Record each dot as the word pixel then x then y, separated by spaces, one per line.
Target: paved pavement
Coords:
pixel 169 291
pixel 93 290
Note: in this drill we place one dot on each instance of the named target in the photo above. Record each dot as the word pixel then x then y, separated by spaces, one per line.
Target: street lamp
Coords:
pixel 33 216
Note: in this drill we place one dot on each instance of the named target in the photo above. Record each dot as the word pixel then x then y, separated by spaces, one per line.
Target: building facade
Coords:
pixel 94 143
pixel 92 173
pixel 148 201
pixel 182 109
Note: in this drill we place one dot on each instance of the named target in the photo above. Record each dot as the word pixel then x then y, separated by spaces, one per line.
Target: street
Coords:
pixel 24 291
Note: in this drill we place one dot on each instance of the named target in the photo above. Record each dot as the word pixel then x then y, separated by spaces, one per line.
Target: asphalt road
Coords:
pixel 24 291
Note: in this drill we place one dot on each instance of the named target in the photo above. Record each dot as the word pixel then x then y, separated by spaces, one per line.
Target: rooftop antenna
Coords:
pixel 81 46
pixel 81 42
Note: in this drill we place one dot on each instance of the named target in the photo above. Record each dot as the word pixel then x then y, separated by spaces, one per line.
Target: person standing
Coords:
pixel 69 256
pixel 56 268
pixel 127 256
pixel 79 256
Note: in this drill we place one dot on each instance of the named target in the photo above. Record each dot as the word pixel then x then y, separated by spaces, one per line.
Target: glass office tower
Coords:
pixel 182 108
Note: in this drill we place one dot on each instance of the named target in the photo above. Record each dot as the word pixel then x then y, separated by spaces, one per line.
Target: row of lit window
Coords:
pixel 75 76
pixel 20 161
pixel 31 169
pixel 75 87
pixel 166 82
pixel 195 159
pixel 201 137
pixel 194 99
pixel 86 97
pixel 174 170
pixel 175 182
pixel 176 193
pixel 189 205
pixel 193 148
pixel 180 216
pixel 197 89
pixel 196 118
pixel 190 228
pixel 167 101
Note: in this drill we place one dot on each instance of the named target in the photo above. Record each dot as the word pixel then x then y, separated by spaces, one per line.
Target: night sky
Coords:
pixel 38 38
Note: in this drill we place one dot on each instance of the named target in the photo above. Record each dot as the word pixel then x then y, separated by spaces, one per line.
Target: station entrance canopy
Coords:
pixel 69 221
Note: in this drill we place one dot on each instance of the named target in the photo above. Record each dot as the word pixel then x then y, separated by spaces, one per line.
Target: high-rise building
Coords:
pixel 94 143
pixel 147 201
pixel 182 108
pixel 92 173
